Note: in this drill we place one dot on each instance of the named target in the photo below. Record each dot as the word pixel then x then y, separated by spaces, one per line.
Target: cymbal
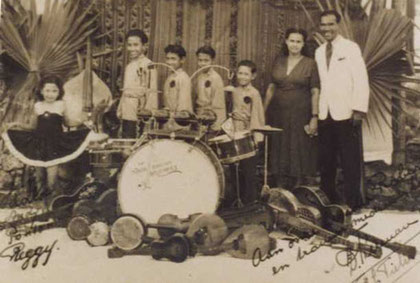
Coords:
pixel 267 129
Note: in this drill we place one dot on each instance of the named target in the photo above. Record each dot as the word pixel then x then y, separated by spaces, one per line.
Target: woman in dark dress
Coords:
pixel 291 103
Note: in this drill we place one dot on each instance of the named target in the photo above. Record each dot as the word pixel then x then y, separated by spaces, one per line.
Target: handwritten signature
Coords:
pixel 378 209
pixel 350 258
pixel 17 253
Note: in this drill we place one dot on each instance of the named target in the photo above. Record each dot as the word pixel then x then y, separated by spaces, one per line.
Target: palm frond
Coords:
pixel 42 44
pixel 382 37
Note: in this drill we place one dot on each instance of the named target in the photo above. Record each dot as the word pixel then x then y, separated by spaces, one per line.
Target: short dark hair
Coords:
pixel 250 64
pixel 139 33
pixel 206 49
pixel 51 79
pixel 331 12
pixel 177 49
pixel 289 31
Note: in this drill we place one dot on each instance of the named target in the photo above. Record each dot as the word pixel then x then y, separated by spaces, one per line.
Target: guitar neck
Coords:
pixel 12 224
pixel 328 236
pixel 409 251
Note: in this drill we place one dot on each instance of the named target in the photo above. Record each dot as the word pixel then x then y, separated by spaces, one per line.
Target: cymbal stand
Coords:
pixel 265 188
pixel 238 202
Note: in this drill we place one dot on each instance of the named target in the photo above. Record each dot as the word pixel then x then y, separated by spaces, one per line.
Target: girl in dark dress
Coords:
pixel 291 103
pixel 47 146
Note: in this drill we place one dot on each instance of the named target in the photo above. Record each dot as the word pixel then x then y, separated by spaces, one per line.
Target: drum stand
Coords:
pixel 266 131
pixel 238 202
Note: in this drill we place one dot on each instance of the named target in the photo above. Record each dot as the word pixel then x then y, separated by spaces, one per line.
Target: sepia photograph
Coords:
pixel 209 141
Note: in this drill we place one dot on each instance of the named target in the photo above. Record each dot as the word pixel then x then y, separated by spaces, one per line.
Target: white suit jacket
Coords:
pixel 344 85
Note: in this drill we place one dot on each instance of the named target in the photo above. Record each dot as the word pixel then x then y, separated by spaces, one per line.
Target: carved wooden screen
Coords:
pixel 237 29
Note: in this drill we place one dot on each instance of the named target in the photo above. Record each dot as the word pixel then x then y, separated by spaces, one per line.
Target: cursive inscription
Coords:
pixel 258 257
pixel 18 253
pixel 356 259
pixel 378 209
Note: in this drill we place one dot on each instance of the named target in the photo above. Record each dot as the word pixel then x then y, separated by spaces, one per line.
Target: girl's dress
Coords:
pixel 48 145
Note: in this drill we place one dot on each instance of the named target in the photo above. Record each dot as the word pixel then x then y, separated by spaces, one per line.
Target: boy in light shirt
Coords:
pixel 140 84
pixel 248 114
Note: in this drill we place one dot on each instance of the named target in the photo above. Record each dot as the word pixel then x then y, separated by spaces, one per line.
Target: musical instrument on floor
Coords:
pixel 337 218
pixel 288 203
pixel 409 251
pixel 176 248
pixel 99 234
pixel 243 242
pixel 169 224
pixel 172 176
pixel 229 150
pixel 305 221
pixel 329 237
pixel 207 232
pixel 61 207
pixel 129 232
pixel 87 212
pixel 314 196
pixel 257 213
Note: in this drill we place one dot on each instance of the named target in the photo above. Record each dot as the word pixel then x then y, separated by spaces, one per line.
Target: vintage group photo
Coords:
pixel 209 141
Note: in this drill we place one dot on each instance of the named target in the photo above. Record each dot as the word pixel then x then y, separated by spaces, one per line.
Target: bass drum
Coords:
pixel 171 176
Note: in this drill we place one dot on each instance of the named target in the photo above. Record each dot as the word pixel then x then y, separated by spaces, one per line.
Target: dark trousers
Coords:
pixel 248 180
pixel 129 129
pixel 340 139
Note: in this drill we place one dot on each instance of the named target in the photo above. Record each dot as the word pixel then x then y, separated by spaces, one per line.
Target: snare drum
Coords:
pixel 170 176
pixel 231 151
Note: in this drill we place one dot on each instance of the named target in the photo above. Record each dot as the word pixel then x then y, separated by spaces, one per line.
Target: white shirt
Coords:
pixel 344 85
pixel 140 89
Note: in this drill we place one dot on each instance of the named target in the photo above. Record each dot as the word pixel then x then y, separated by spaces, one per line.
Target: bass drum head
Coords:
pixel 170 176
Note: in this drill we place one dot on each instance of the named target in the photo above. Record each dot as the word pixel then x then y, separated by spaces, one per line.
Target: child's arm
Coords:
pixel 257 116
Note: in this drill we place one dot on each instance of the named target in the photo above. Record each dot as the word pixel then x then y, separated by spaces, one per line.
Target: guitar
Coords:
pixel 288 203
pixel 306 227
pixel 314 196
pixel 409 251
pixel 61 207
pixel 337 218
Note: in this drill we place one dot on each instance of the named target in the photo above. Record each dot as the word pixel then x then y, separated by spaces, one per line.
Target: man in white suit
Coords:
pixel 343 103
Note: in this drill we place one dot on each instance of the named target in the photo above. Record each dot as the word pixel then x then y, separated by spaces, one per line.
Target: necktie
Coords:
pixel 329 53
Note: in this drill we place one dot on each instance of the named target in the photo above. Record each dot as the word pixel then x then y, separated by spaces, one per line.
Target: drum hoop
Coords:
pixel 81 216
pixel 234 159
pixel 225 138
pixel 208 152
pixel 142 224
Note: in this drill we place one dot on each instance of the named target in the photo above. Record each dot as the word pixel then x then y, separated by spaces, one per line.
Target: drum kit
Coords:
pixel 181 172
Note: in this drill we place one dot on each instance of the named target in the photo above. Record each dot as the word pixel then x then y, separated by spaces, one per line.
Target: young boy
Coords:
pixel 248 114
pixel 210 93
pixel 177 87
pixel 140 84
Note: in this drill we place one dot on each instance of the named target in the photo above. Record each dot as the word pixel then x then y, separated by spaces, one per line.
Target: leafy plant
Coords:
pixel 41 44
